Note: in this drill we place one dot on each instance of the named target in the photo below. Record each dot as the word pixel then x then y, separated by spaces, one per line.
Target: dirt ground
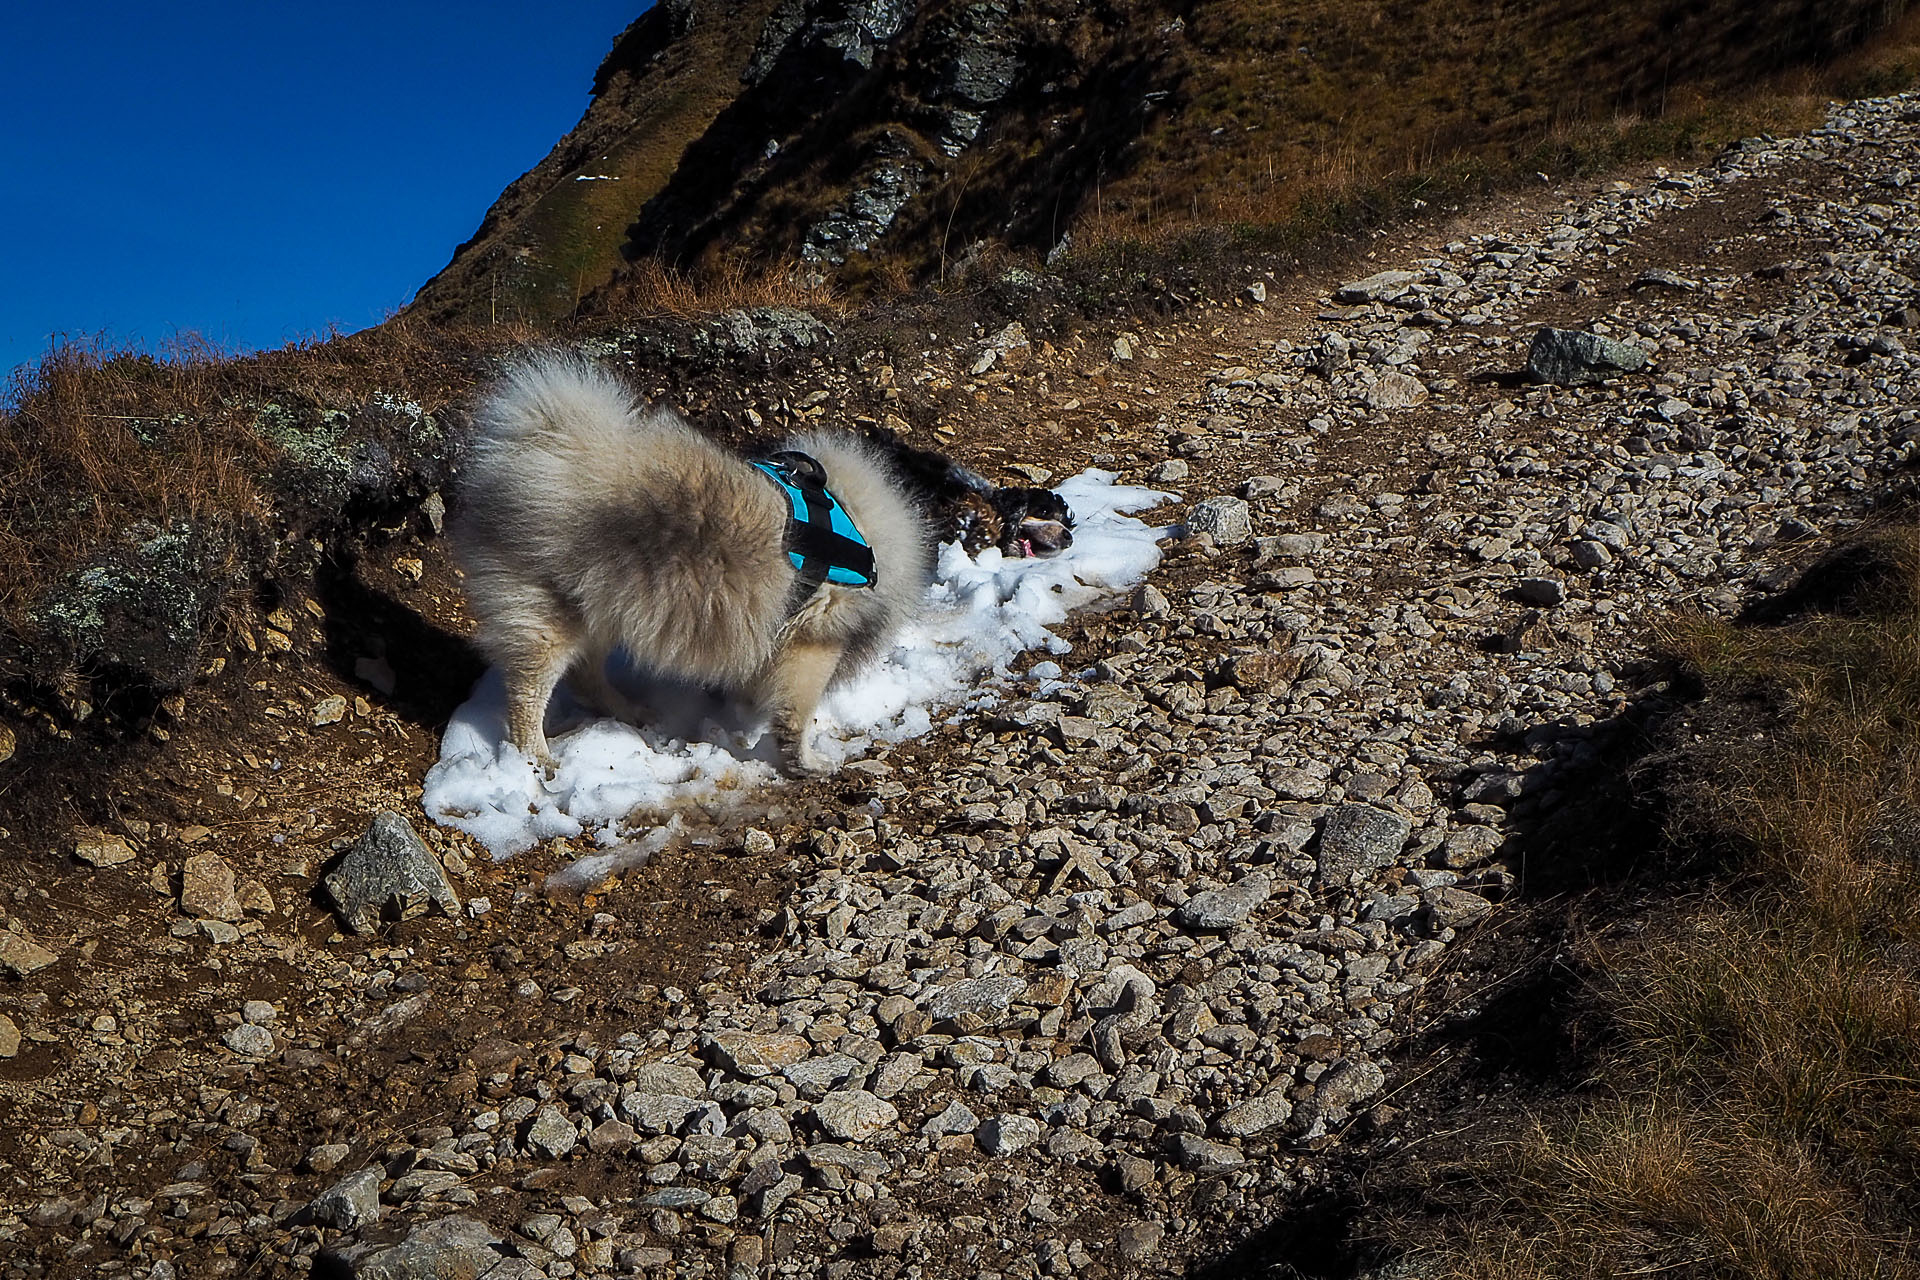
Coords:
pixel 121 1086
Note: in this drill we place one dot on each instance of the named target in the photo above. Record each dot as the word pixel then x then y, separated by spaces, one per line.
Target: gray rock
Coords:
pixel 249 1040
pixel 1255 1116
pixel 1359 838
pixel 327 1156
pixel 1138 1239
pixel 1136 1175
pixel 1004 1135
pixel 1072 1070
pixel 351 1203
pixel 868 1166
pixel 817 1075
pixel 1376 287
pixel 457 1248
pixel 979 996
pixel 957 1118
pixel 1449 908
pixel 1352 1081
pixel 894 1073
pixel 1224 908
pixel 1570 358
pixel 551 1135
pixel 1227 520
pixel 9 1037
pixel 853 1115
pixel 1469 846
pixel 1588 554
pixel 387 871
pixel 658 1112
pixel 667 1077
pixel 1202 1156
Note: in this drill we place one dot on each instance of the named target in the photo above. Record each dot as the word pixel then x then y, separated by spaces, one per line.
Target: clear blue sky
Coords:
pixel 256 172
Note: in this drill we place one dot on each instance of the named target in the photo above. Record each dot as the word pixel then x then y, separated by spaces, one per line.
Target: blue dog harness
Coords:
pixel 822 540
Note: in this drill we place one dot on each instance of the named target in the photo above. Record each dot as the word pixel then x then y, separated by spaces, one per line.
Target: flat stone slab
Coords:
pixel 449 1249
pixel 979 996
pixel 751 1054
pixel 1255 1116
pixel 667 1077
pixel 1359 837
pixel 22 956
pixel 1381 284
pixel 1224 908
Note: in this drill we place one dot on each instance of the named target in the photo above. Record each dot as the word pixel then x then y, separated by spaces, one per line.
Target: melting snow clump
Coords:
pixel 693 749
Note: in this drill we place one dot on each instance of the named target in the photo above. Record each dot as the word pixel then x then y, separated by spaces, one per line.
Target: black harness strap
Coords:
pixel 819 551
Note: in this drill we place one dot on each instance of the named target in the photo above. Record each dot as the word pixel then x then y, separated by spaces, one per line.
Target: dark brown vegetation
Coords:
pixel 97 442
pixel 1757 1111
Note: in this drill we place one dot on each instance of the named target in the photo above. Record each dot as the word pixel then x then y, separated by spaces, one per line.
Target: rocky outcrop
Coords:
pixel 140 610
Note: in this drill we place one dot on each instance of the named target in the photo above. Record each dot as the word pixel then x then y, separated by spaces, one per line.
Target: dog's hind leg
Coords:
pixel 534 660
pixel 800 676
pixel 588 677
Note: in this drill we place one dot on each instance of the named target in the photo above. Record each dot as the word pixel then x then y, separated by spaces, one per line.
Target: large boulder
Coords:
pixel 1570 358
pixel 388 872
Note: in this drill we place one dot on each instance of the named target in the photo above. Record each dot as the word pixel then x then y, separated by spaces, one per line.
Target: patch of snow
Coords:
pixel 694 750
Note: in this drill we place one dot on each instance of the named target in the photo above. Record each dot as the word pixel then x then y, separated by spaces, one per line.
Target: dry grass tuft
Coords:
pixel 650 289
pixel 1762 1115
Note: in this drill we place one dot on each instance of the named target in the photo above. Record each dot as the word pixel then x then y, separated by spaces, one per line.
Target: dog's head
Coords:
pixel 1033 522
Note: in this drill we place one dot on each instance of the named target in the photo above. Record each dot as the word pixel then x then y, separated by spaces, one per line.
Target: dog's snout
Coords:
pixel 1046 537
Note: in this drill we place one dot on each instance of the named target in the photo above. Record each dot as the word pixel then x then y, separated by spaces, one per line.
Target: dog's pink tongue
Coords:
pixel 1026 548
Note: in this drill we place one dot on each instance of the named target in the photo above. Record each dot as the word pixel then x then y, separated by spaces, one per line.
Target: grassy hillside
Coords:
pixel 1753 1111
pixel 1119 121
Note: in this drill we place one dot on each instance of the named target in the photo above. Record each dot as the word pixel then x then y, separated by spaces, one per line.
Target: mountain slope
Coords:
pixel 556 231
pixel 864 137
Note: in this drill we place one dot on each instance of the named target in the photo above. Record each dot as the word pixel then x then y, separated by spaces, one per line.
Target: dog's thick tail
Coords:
pixel 555 397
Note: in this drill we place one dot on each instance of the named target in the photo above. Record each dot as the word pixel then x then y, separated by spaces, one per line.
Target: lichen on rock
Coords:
pixel 140 609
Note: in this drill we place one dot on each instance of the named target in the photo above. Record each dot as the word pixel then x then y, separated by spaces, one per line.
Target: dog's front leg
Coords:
pixel 800 676
pixel 534 665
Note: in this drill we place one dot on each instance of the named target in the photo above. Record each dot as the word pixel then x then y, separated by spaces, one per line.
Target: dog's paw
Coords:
pixel 542 761
pixel 799 760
